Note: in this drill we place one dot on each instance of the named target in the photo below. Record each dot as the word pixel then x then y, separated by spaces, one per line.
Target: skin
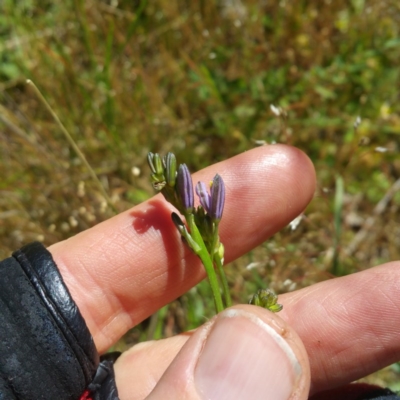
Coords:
pixel 124 269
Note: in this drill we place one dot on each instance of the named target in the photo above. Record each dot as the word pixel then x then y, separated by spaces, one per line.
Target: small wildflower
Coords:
pixel 185 188
pixel 214 202
pixel 217 198
pixel 200 230
pixel 204 196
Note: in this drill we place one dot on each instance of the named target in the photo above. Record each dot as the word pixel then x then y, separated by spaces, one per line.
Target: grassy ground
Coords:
pixel 199 79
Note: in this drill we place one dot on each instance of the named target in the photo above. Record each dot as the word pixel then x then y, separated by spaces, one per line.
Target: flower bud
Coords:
pixel 217 198
pixel 212 203
pixel 185 188
pixel 169 161
pixel 177 220
pixel 204 197
pixel 266 298
pixel 157 169
pixel 155 163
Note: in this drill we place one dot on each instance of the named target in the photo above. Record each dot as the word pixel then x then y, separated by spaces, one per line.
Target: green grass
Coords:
pixel 198 79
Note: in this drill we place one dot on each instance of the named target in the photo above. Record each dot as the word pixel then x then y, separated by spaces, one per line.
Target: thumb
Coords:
pixel 245 352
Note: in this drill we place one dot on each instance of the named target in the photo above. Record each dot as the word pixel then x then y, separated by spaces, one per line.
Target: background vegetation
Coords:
pixel 199 78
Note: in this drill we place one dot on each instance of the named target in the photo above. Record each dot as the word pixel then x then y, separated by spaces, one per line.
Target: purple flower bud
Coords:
pixel 213 204
pixel 185 188
pixel 204 197
pixel 217 198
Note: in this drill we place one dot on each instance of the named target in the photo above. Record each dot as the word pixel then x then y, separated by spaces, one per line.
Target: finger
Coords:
pixel 350 327
pixel 245 352
pixel 124 269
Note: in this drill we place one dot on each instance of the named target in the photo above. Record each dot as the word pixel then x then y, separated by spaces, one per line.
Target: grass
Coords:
pixel 198 79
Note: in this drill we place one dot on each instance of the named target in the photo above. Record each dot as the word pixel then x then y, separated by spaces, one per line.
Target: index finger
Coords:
pixel 124 269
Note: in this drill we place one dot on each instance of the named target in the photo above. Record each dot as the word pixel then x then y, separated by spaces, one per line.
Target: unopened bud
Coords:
pixel 266 298
pixel 185 188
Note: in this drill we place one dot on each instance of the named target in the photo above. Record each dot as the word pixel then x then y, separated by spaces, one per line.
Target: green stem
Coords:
pixel 224 281
pixel 207 262
pixel 219 263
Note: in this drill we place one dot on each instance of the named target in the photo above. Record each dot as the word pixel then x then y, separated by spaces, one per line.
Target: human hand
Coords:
pixel 124 269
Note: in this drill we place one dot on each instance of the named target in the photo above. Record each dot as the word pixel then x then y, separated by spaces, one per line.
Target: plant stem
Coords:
pixel 219 263
pixel 224 281
pixel 207 262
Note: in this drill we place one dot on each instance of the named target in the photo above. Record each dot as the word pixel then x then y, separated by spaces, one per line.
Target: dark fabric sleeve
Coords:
pixel 46 350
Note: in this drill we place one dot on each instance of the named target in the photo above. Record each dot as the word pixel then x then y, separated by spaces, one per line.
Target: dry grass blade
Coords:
pixel 74 145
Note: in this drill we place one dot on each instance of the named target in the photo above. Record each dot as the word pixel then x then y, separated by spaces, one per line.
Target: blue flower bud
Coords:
pixel 212 203
pixel 204 197
pixel 217 198
pixel 185 188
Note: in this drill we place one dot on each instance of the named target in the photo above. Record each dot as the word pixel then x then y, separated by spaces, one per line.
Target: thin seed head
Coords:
pixel 185 188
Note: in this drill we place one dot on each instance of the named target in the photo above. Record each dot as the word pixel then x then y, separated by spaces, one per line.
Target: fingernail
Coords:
pixel 245 358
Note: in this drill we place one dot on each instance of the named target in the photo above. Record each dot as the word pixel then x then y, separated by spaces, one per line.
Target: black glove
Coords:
pixel 46 350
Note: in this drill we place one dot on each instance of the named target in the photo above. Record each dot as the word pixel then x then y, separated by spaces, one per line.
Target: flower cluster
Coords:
pixel 201 229
pixel 201 232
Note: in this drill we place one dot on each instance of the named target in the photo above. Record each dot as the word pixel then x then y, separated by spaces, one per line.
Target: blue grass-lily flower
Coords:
pixel 212 203
pixel 204 196
pixel 185 188
pixel 217 198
